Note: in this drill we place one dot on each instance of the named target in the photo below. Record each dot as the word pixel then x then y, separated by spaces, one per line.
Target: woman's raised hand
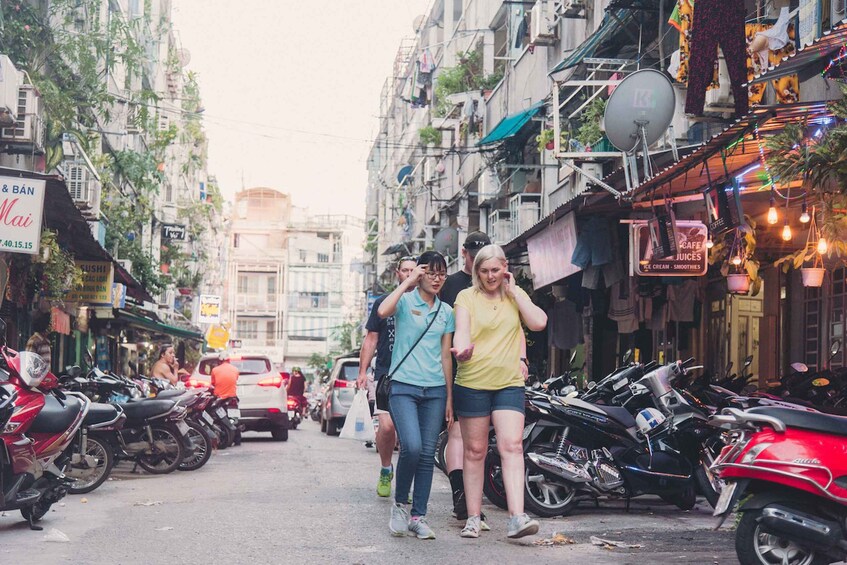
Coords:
pixel 464 354
pixel 509 284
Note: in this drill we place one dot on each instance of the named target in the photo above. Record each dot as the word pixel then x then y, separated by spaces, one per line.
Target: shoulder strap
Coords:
pixel 420 337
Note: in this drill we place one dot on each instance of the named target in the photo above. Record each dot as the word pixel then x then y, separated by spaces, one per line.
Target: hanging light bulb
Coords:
pixel 736 260
pixel 786 231
pixel 804 215
pixel 822 245
pixel 709 243
pixel 773 218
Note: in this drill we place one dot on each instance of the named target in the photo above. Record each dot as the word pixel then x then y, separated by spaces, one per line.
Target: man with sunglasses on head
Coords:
pixel 380 341
pixel 456 283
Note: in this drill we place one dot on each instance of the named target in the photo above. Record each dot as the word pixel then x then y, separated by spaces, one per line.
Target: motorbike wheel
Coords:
pixel 753 546
pixel 226 438
pixel 441 452
pixel 546 496
pixel 37 511
pixel 332 427
pixel 91 478
pixel 167 451
pixel 708 483
pixel 492 486
pixel 684 500
pixel 202 447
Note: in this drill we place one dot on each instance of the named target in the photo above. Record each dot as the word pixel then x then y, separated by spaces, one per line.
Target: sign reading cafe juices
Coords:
pixel 690 259
pixel 21 207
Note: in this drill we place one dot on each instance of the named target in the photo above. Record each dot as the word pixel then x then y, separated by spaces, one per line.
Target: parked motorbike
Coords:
pixel 315 408
pixel 787 467
pixel 580 449
pixel 35 439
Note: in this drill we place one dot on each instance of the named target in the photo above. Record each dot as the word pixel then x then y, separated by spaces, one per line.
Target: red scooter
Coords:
pixel 34 442
pixel 789 470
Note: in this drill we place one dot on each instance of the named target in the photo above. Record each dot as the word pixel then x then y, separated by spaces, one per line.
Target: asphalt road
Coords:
pixel 313 500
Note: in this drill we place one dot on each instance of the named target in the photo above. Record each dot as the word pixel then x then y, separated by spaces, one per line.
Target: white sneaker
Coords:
pixel 472 527
pixel 399 523
pixel 521 525
pixel 419 528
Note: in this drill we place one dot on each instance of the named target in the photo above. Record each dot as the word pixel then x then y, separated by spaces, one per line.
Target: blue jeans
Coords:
pixel 418 413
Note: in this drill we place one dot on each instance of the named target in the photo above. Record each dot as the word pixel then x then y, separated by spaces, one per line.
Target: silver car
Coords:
pixel 341 388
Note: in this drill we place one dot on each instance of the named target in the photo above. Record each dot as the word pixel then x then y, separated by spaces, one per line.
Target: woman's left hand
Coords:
pixel 524 370
pixel 448 412
pixel 509 284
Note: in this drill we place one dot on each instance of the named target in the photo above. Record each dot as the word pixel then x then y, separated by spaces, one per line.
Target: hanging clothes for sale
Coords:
pixel 623 306
pixel 717 22
pixel 787 88
pixel 426 64
pixel 808 21
pixel 682 18
pixel 564 325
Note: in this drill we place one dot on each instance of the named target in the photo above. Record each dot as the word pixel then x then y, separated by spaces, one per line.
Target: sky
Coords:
pixel 291 91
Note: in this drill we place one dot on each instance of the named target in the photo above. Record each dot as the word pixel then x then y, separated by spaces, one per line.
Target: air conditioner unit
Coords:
pixel 84 189
pixel 543 21
pixel 27 133
pixel 488 185
pixel 10 81
pixel 524 211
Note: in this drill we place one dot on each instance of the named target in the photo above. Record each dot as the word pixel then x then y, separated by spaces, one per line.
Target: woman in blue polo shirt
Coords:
pixel 421 395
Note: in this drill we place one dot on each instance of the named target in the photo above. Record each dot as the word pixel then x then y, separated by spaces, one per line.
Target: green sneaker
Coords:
pixel 383 487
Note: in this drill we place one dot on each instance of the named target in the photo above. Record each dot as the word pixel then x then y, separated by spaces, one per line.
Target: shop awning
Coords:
pixel 811 58
pixel 157 325
pixel 510 125
pixel 613 23
pixel 733 153
pixel 397 248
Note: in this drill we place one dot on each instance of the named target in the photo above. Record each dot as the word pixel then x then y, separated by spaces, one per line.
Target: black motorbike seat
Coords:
pixel 170 394
pixel 99 413
pixel 812 421
pixel 620 415
pixel 55 418
pixel 144 409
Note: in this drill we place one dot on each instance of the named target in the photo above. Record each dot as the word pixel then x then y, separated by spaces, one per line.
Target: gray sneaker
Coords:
pixel 522 525
pixel 472 527
pixel 399 523
pixel 420 528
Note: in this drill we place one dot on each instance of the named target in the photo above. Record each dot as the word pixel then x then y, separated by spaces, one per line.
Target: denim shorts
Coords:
pixel 472 403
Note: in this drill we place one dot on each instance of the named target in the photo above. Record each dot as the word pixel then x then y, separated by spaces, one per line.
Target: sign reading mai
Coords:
pixel 21 208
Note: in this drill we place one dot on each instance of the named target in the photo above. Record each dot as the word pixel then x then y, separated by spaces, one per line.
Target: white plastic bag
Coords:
pixel 358 425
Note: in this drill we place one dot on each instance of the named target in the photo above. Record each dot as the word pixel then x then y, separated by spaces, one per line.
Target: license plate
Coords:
pixel 208 418
pixel 221 413
pixel 290 414
pixel 183 427
pixel 233 413
pixel 726 496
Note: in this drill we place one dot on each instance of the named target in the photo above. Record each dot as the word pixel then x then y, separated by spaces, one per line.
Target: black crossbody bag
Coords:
pixel 383 387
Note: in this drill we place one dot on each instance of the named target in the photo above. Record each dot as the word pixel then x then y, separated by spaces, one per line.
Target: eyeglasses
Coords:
pixel 436 276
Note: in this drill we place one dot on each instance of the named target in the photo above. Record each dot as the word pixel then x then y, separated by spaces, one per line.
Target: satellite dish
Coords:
pixel 418 22
pixel 639 110
pixel 183 56
pixel 403 176
pixel 446 242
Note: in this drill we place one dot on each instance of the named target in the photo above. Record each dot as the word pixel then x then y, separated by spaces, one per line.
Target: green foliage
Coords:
pixel 545 137
pixel 741 241
pixel 430 136
pixel 321 364
pixel 58 274
pixel 589 131
pixel 466 76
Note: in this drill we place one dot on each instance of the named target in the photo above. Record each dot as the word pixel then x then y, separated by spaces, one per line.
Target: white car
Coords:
pixel 262 399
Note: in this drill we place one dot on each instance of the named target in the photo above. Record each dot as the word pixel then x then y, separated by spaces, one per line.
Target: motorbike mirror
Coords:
pixel 591 385
pixel 835 348
pixel 573 358
pixel 89 358
pixel 748 360
pixel 800 367
pixel 627 357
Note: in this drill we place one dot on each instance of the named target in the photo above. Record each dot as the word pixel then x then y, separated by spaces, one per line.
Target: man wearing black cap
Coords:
pixel 456 283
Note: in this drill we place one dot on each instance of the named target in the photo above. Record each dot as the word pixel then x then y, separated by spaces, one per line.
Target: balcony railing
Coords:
pixel 256 302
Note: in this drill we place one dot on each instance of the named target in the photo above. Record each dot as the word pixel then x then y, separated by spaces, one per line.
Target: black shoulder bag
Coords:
pixel 383 387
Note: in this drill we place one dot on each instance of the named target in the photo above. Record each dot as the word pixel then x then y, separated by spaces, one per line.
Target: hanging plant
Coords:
pixel 546 140
pixel 59 274
pixel 589 131
pixel 430 136
pixel 734 252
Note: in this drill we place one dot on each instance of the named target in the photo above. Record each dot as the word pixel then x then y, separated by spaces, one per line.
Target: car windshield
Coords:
pixel 349 372
pixel 252 366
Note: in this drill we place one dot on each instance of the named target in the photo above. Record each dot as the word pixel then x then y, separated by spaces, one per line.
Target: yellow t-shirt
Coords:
pixel 496 336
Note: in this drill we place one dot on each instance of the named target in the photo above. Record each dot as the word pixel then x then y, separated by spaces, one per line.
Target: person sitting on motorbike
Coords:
pixel 224 380
pixel 296 389
pixel 163 368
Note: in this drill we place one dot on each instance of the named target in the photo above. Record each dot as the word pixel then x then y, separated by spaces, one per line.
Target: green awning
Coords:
pixel 157 326
pixel 611 25
pixel 510 125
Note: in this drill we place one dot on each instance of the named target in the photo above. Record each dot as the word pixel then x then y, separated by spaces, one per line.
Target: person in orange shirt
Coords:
pixel 224 379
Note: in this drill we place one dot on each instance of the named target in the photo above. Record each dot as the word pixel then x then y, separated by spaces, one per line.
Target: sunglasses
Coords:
pixel 401 260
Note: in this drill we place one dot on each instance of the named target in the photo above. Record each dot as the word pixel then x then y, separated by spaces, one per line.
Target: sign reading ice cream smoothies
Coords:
pixel 691 258
pixel 21 206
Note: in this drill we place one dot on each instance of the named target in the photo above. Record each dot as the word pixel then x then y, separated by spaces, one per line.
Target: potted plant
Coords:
pixel 429 136
pixel 590 132
pixel 546 140
pixel 59 274
pixel 734 252
pixel 816 246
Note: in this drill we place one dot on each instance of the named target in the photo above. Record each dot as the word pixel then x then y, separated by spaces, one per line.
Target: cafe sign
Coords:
pixel 690 260
pixel 21 207
pixel 97 278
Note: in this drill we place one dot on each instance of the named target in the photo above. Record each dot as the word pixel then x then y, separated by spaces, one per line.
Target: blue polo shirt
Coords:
pixel 423 366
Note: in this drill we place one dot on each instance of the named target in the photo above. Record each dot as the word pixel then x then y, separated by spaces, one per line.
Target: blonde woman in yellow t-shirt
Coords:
pixel 489 386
